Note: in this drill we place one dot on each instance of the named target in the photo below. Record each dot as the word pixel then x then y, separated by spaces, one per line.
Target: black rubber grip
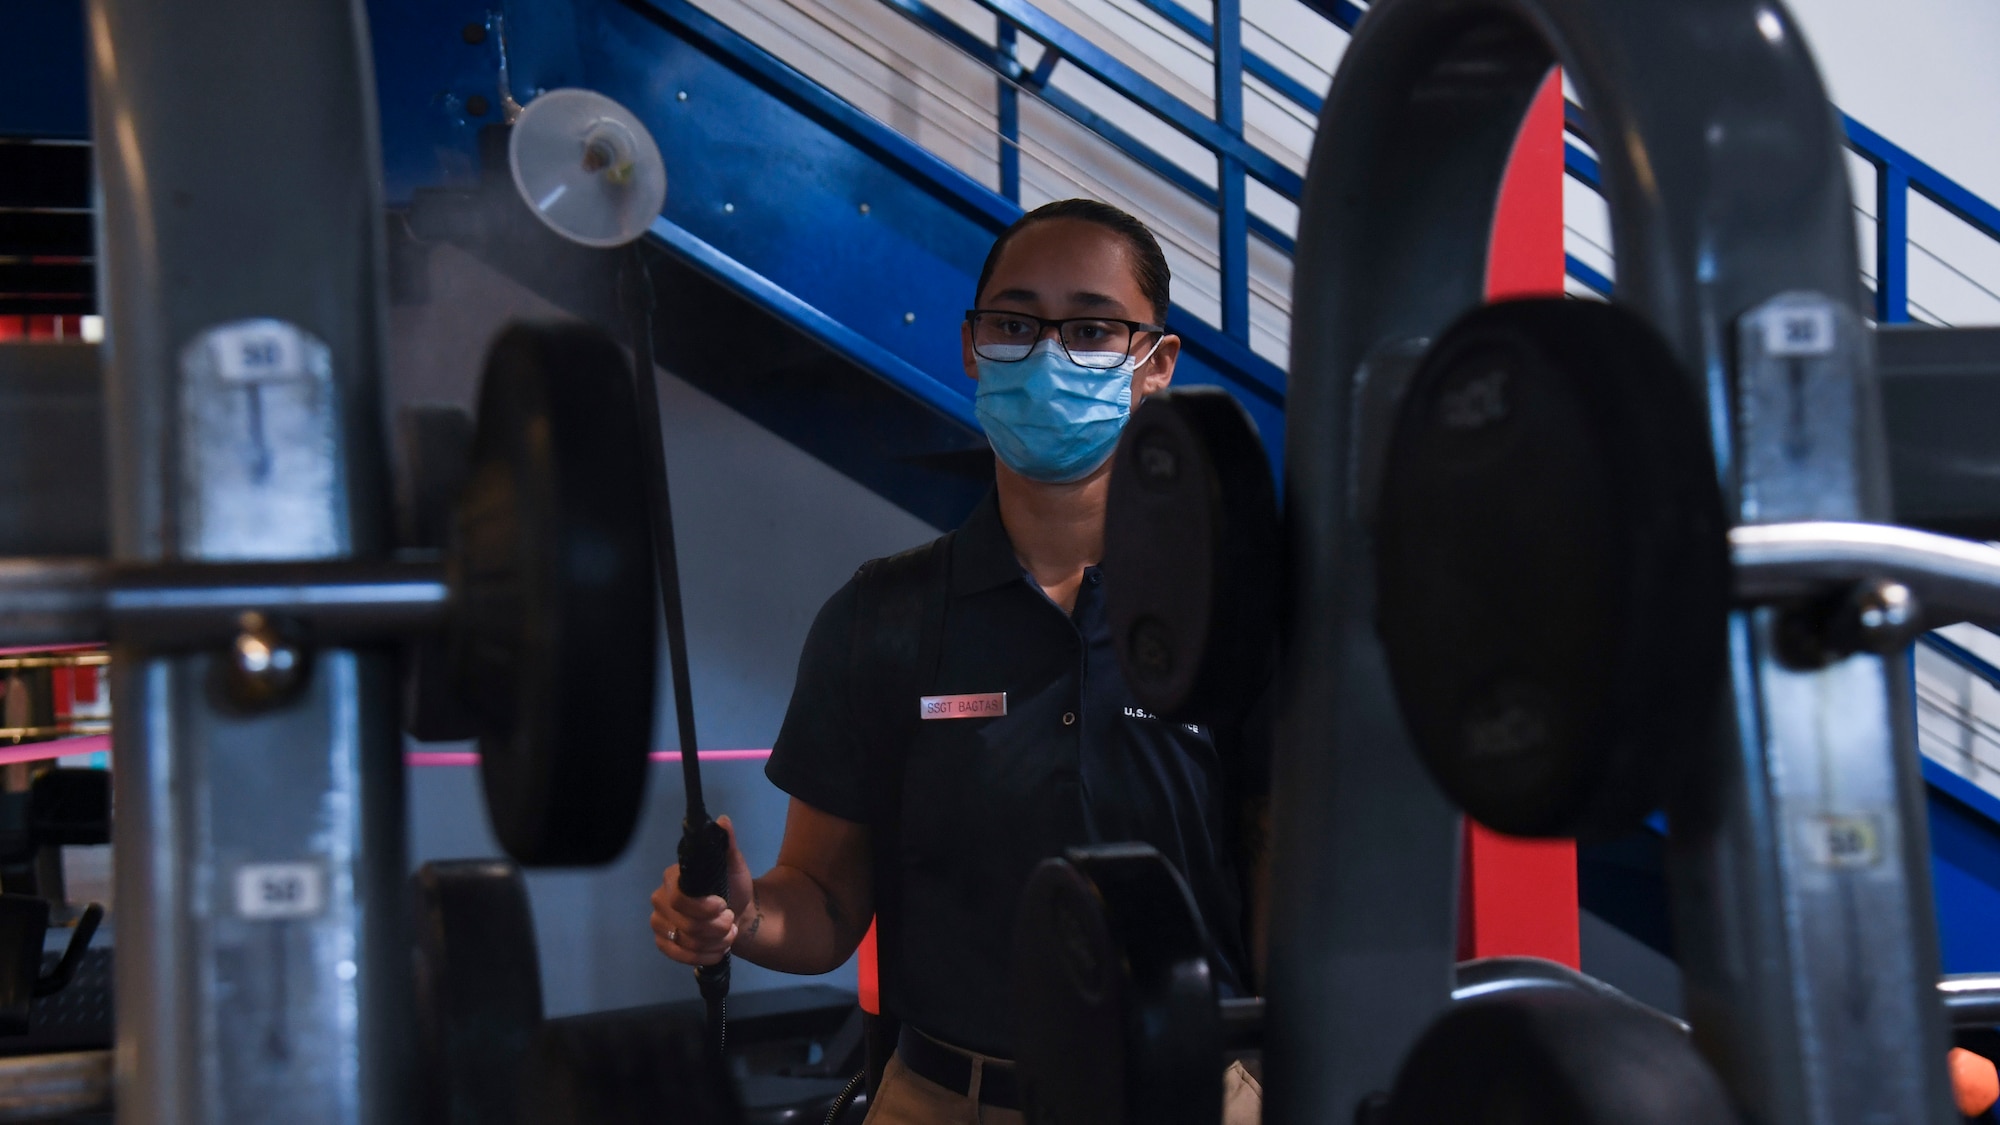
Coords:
pixel 704 855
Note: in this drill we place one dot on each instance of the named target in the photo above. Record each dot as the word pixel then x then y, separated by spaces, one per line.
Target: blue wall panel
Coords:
pixel 44 89
pixel 1965 870
pixel 425 72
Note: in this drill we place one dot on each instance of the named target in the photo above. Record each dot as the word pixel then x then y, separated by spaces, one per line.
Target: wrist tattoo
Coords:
pixel 756 916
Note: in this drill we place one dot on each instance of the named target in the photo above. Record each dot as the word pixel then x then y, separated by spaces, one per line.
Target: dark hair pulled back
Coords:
pixel 1149 264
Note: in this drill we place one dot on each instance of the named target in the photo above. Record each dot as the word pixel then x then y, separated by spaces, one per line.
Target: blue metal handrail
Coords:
pixel 1897 174
pixel 1014 78
pixel 1897 171
pixel 1237 159
pixel 1198 29
pixel 1963 657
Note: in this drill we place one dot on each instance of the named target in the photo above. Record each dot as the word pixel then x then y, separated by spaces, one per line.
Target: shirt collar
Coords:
pixel 982 557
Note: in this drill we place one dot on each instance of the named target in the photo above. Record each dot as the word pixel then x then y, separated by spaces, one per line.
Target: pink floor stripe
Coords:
pixel 55 748
pixel 96 743
pixel 439 758
pixel 715 755
pixel 16 650
pixel 464 758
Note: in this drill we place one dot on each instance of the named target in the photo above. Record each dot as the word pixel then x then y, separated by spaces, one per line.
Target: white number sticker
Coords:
pixel 1799 331
pixel 1844 841
pixel 269 892
pixel 257 349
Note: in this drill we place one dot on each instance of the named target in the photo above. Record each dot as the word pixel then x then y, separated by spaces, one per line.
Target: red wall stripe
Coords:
pixel 1518 897
pixel 867 981
pixel 1525 256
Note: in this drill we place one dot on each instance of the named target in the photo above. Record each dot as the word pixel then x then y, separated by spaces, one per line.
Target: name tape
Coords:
pixel 984 706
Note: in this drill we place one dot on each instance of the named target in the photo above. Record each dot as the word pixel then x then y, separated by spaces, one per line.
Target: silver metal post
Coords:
pixel 1827 840
pixel 262 963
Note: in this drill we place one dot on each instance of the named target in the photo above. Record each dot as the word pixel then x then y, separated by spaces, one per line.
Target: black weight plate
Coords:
pixel 554 629
pixel 478 989
pixel 70 807
pixel 1118 1015
pixel 1191 554
pixel 1552 561
pixel 1555 1056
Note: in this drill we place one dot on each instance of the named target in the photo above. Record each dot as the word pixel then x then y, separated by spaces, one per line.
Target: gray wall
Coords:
pixel 765 533
pixel 1622 961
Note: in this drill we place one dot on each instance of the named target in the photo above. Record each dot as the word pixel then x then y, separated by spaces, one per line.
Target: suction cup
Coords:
pixel 587 167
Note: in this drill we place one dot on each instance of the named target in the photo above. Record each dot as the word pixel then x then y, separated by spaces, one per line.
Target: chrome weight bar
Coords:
pixel 186 606
pixel 1950 580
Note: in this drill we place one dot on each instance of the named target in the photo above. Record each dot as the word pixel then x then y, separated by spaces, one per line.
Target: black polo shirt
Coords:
pixel 1074 760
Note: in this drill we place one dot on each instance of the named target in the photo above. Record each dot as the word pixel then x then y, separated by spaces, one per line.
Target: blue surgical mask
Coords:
pixel 1050 418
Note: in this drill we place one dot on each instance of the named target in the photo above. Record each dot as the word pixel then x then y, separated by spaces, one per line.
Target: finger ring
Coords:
pixel 673 937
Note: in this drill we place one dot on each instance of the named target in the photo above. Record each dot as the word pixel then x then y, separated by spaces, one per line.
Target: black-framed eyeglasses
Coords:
pixel 1097 342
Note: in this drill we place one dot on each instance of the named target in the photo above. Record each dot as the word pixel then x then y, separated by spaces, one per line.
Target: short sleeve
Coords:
pixel 817 756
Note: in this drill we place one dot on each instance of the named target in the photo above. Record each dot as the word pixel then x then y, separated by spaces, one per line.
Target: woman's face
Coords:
pixel 1062 268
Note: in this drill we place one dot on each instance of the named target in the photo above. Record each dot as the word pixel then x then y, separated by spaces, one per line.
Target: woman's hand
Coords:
pixel 698 931
pixel 805 915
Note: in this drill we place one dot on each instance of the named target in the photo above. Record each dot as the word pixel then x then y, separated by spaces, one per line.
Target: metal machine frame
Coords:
pixel 262 958
pixel 1809 979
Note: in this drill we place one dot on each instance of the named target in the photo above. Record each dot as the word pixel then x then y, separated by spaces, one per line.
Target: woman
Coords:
pixel 1038 744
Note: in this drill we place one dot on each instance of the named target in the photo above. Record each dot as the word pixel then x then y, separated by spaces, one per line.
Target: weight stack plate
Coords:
pixel 1552 561
pixel 479 988
pixel 1119 1019
pixel 1191 557
pixel 1554 1056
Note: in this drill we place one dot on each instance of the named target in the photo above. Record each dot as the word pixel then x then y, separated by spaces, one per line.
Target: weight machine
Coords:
pixel 1731 580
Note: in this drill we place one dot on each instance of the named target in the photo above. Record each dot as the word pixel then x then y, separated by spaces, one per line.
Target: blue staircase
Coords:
pixel 836 226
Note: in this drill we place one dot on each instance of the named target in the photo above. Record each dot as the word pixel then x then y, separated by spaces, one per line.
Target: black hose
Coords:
pixel 704 847
pixel 845 1098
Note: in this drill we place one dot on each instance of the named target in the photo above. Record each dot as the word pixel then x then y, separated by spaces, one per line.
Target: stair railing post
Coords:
pixel 1232 219
pixel 1892 243
pixel 1009 111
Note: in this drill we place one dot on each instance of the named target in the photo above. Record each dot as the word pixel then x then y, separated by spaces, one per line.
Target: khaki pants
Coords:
pixel 911 1099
